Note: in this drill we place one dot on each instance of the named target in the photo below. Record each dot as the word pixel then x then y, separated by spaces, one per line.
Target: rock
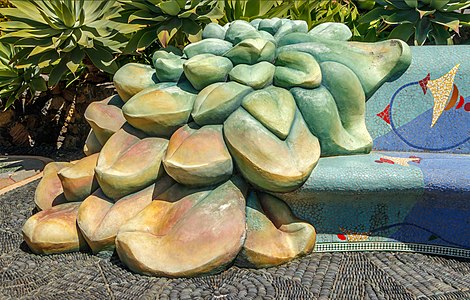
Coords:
pixel 273 107
pixel 186 233
pixel 337 118
pixel 99 218
pixel 161 110
pixel 240 30
pixel 49 191
pixel 104 119
pixel 168 66
pixel 205 69
pixel 331 31
pixel 257 76
pixel 273 234
pixel 251 51
pixel 132 78
pixel 78 180
pixel 216 102
pixel 297 69
pixel 213 30
pixel 54 230
pixel 258 152
pixel 92 145
pixel 207 46
pixel 129 162
pixel 198 156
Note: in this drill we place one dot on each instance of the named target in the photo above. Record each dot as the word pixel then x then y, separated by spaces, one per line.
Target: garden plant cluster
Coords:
pixel 54 52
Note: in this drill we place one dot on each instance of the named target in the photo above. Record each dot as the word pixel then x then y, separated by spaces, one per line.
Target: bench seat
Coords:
pixel 412 193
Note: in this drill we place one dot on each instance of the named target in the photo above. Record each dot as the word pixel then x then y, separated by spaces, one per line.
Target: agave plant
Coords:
pixel 168 22
pixel 56 35
pixel 253 9
pixel 312 12
pixel 424 20
pixel 15 82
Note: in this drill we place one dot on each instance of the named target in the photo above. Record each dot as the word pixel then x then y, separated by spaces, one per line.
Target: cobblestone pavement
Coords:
pixel 378 275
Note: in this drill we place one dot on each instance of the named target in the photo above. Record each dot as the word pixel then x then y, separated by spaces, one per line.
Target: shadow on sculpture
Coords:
pixel 181 166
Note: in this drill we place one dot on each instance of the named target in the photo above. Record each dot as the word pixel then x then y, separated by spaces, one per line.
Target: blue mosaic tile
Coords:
pixel 411 110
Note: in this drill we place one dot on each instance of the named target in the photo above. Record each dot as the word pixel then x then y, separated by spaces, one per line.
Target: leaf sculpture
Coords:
pixel 54 230
pixel 274 235
pixel 78 180
pixel 182 234
pixel 99 218
pixel 105 117
pixel 49 191
pixel 129 162
pixel 251 107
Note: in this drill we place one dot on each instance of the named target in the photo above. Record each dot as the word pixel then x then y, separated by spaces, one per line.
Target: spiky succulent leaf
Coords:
pixel 168 22
pixel 57 34
pixel 433 20
pixel 14 82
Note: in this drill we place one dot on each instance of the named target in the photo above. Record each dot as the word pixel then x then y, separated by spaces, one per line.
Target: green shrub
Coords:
pixel 173 22
pixel 56 35
pixel 16 82
pixel 424 21
pixel 311 11
pixel 252 9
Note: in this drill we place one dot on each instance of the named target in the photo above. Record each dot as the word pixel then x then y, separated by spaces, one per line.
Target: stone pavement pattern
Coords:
pixel 317 276
pixel 17 169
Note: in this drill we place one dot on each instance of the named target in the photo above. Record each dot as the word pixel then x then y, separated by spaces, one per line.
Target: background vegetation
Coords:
pixel 56 56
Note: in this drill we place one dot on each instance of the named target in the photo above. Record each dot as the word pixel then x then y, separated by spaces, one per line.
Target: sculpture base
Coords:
pixel 396 201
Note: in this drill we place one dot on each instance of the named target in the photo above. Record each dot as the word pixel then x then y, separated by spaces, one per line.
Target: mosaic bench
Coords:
pixel 412 193
pixel 182 164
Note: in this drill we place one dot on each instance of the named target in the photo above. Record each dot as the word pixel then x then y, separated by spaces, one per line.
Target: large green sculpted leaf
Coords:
pixel 331 31
pixel 373 63
pixel 99 217
pixel 54 230
pixel 213 30
pixel 129 162
pixel 270 25
pixel 296 69
pixel 273 107
pixel 161 110
pixel 133 78
pixel 251 51
pixel 266 161
pixel 92 145
pixel 198 156
pixel 78 180
pixel 289 26
pixel 241 30
pixel 104 118
pixel 273 234
pixel 207 46
pixel 216 102
pixel 335 112
pixel 257 76
pixel 168 66
pixel 205 69
pixel 186 232
pixel 49 191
